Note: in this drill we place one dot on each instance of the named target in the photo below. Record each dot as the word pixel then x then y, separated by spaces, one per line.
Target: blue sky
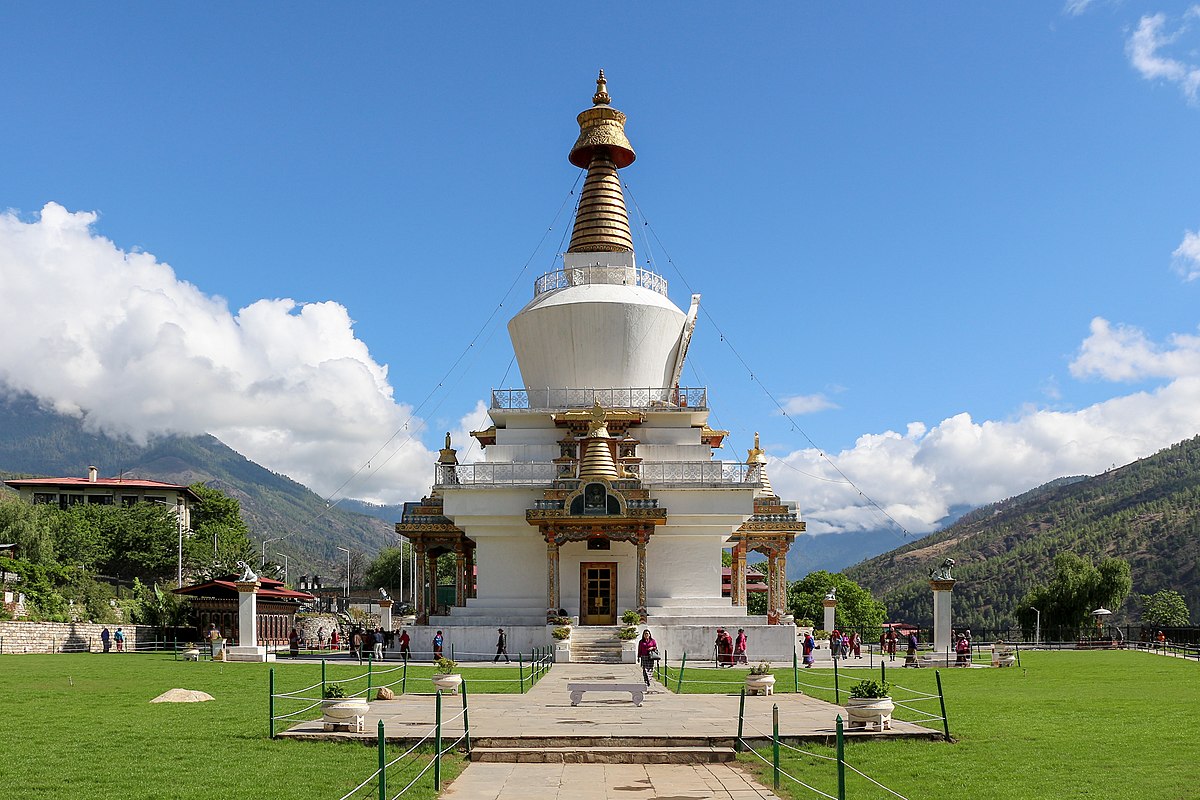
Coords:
pixel 896 215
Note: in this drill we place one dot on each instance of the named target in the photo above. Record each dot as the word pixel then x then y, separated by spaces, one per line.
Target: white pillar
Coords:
pixel 830 607
pixel 385 614
pixel 941 615
pixel 247 648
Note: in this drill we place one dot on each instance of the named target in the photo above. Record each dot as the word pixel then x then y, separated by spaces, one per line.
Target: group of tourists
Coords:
pixel 844 645
pixel 107 640
pixel 730 651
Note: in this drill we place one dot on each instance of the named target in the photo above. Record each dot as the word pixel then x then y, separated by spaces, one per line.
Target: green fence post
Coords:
pixel 837 693
pixel 437 755
pixel 841 760
pixel 942 698
pixel 369 659
pixel 521 670
pixel 271 703
pixel 775 744
pixel 452 658
pixel 322 678
pixel 404 677
pixel 466 721
pixel 679 683
pixel 882 672
pixel 1017 648
pixel 382 762
pixel 795 674
pixel 737 743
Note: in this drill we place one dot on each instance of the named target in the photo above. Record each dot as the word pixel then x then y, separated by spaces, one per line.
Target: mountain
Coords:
pixel 34 441
pixel 1147 512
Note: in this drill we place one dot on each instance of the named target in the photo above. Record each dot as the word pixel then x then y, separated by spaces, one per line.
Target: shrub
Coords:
pixel 804 622
pixel 627 633
pixel 870 689
pixel 446 666
pixel 334 691
pixel 561 633
pixel 762 668
pixel 562 620
pixel 631 617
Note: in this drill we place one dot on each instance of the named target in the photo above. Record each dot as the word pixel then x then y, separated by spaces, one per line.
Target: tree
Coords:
pixel 1077 588
pixel 856 608
pixel 28 528
pixel 222 537
pixel 1165 609
pixel 390 571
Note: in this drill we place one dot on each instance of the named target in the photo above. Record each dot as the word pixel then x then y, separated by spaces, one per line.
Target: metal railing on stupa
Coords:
pixel 544 473
pixel 680 398
pixel 600 273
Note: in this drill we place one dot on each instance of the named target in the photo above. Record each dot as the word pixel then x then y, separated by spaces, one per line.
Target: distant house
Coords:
pixel 755 581
pixel 67 492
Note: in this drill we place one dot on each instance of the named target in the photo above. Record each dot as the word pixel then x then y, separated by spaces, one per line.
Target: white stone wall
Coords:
pixel 18 637
pixel 477 642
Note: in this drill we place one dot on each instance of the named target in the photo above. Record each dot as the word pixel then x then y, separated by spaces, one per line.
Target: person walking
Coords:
pixel 320 638
pixel 739 647
pixel 378 644
pixel 891 644
pixel 293 643
pixel 404 652
pixel 105 638
pixel 119 638
pixel 647 653
pixel 810 644
pixel 835 644
pixel 502 648
pixel 438 641
pixel 910 658
pixel 856 645
pixel 724 645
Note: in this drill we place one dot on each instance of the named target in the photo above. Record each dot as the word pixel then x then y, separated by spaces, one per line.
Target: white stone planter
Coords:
pixel 348 711
pixel 562 651
pixel 760 684
pixel 629 651
pixel 447 683
pixel 877 711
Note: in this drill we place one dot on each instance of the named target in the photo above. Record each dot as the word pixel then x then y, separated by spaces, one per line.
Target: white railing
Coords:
pixel 661 473
pixel 675 398
pixel 613 275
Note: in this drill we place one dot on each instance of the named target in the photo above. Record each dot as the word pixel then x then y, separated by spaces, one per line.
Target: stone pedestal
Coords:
pixel 247 648
pixel 385 614
pixel 830 608
pixel 941 614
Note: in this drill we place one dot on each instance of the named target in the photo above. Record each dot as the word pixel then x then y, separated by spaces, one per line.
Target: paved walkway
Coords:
pixel 604 782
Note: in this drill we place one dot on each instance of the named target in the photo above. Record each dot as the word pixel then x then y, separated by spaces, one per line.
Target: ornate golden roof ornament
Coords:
pixel 601 221
pixel 447 455
pixel 596 422
pixel 756 457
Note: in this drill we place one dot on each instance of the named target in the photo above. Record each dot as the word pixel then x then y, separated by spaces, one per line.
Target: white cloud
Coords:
pixel 1187 256
pixel 89 326
pixel 918 476
pixel 1125 353
pixel 1076 7
pixel 1145 48
pixel 807 404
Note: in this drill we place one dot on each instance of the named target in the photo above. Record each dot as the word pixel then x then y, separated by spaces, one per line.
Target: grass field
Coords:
pixel 76 726
pixel 1107 724
pixel 1069 724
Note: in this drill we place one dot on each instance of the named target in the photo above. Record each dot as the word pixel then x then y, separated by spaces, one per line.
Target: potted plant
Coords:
pixel 337 709
pixel 869 702
pixel 445 675
pixel 561 633
pixel 631 617
pixel 759 679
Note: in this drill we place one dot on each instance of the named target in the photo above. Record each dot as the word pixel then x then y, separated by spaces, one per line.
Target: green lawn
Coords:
pixel 1107 724
pixel 83 726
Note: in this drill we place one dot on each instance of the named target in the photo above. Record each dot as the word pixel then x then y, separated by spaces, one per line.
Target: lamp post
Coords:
pixel 266 542
pixel 1037 627
pixel 285 566
pixel 179 524
pixel 347 552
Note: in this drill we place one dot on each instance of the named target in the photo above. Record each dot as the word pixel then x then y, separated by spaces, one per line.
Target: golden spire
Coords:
pixel 598 461
pixel 601 222
pixel 756 457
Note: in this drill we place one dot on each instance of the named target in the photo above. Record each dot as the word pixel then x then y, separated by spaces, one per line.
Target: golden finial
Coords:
pixel 448 455
pixel 601 97
pixel 596 426
pixel 756 455
pixel 448 440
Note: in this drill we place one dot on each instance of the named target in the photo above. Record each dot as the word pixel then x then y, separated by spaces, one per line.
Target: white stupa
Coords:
pixel 599 491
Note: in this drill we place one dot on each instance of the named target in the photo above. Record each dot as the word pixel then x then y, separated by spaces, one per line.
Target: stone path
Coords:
pixel 604 782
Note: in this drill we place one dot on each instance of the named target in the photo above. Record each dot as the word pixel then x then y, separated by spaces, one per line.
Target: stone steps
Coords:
pixel 604 755
pixel 595 644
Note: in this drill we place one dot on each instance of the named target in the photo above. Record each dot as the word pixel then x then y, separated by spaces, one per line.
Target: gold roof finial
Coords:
pixel 601 97
pixel 448 455
pixel 601 221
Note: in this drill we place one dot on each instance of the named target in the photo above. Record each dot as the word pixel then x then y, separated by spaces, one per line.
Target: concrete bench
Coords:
pixel 637 690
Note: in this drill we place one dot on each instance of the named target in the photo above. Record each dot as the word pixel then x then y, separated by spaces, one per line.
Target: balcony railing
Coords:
pixel 543 474
pixel 614 275
pixel 682 398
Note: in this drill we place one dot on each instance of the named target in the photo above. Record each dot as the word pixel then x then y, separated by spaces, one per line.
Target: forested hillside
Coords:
pixel 39 443
pixel 1147 512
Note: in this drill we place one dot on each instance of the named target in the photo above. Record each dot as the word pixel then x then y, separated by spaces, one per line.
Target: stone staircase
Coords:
pixel 595 644
pixel 604 750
